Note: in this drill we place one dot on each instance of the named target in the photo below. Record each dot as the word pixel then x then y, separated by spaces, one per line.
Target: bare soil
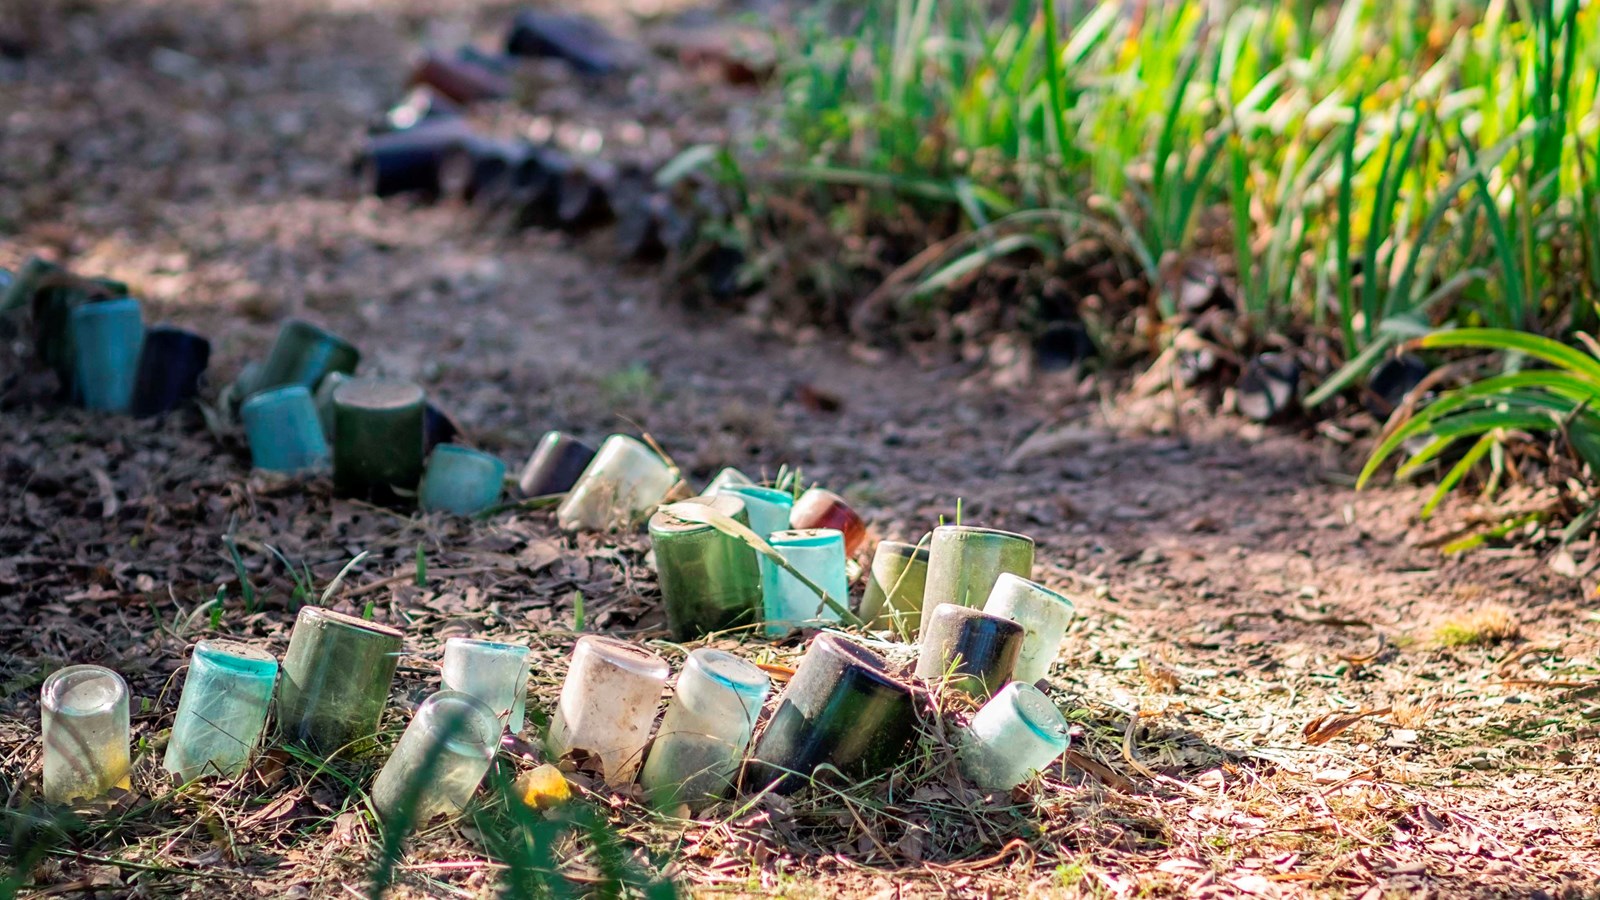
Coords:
pixel 1235 596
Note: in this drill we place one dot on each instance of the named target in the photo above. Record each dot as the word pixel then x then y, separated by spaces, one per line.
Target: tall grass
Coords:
pixel 1374 170
pixel 1421 159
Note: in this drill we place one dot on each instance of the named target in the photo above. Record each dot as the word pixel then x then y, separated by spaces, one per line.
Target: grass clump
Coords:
pixel 1481 628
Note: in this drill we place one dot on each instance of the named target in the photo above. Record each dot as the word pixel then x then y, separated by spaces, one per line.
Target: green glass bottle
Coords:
pixel 336 679
pixel 377 439
pixel 710 581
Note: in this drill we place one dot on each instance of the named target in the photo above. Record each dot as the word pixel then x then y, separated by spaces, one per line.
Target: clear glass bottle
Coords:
pixel 964 562
pixel 222 710
pixel 85 730
pixel 337 674
pixel 608 703
pixel 706 731
pixel 768 507
pixel 787 603
pixel 624 482
pixel 840 708
pixel 895 582
pixel 726 478
pixel 440 759
pixel 461 481
pixel 978 651
pixel 1018 732
pixel 710 581
pixel 1044 616
pixel 494 672
pixel 284 432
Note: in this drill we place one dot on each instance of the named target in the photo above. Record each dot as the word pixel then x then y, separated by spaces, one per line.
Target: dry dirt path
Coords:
pixel 1232 589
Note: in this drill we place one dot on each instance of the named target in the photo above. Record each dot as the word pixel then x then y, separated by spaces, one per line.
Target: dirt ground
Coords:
pixel 1233 592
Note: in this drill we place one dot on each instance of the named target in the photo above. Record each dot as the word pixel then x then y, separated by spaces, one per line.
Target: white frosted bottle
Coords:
pixel 1018 732
pixel 608 704
pixel 1044 616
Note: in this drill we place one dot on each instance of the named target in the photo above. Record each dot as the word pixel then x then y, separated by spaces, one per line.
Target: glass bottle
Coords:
pixel 85 730
pixel 1043 614
pixel 818 508
pixel 439 761
pixel 106 338
pixel 377 438
pixel 786 601
pixel 977 650
pixel 964 562
pixel 768 507
pixel 494 672
pixel 222 710
pixel 726 478
pixel 555 465
pixel 706 730
pixel 336 679
pixel 710 581
pixel 895 582
pixel 461 481
pixel 608 703
pixel 304 354
pixel 622 484
pixel 840 708
pixel 171 364
pixel 1018 732
pixel 283 431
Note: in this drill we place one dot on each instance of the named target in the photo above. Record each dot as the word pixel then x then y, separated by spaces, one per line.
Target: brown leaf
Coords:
pixel 1328 726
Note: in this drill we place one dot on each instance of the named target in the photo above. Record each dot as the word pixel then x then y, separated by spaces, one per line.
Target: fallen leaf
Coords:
pixel 1328 726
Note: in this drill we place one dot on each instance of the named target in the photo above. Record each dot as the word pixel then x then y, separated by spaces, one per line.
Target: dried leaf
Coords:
pixel 1328 726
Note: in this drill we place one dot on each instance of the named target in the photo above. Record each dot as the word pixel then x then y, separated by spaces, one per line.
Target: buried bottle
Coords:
pixel 1018 732
pixel 106 338
pixel 494 672
pixel 768 507
pixel 964 563
pixel 85 730
pixel 620 486
pixel 787 602
pixel 608 704
pixel 283 431
pixel 1043 615
pixel 336 678
pixel 222 710
pixel 303 354
pixel 461 481
pixel 726 478
pixel 840 709
pixel 439 761
pixel 171 364
pixel 978 651
pixel 710 581
pixel 706 730
pixel 555 465
pixel 377 438
pixel 818 508
pixel 895 582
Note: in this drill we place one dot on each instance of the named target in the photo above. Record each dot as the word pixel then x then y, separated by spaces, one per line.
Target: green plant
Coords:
pixel 1560 399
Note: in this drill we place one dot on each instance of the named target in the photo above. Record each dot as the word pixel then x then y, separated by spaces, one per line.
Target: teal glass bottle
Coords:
pixel 768 507
pixel 222 710
pixel 283 431
pixel 494 672
pixel 461 481
pixel 706 730
pixel 787 603
pixel 106 339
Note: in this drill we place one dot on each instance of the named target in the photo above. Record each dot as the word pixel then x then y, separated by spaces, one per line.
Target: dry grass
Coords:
pixel 1482 627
